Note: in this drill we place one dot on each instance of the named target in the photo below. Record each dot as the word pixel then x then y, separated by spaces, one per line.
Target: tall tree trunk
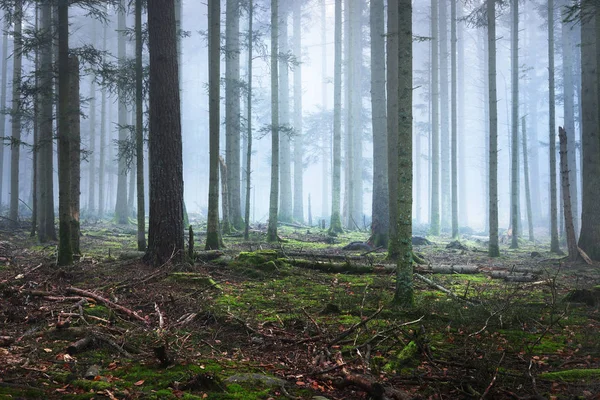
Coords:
pixel 3 103
pixel 526 179
pixel 274 194
pixel 494 249
pixel 569 114
pixel 102 166
pixel 214 74
pixel 165 233
pixel 434 228
pixel 392 124
pixel 232 114
pixel 404 285
pixel 65 248
pixel 335 225
pixel 463 184
pixel 75 150
pixel 121 209
pixel 298 134
pixel 566 195
pixel 36 135
pixel 445 118
pixel 554 246
pixel 92 144
pixel 514 181
pixel 486 130
pixel 349 177
pixel 589 240
pixel 325 139
pixel 356 47
pixel 380 211
pixel 132 179
pixel 454 120
pixel 249 121
pixel 139 129
pixel 285 160
pixel 46 229
pixel 15 149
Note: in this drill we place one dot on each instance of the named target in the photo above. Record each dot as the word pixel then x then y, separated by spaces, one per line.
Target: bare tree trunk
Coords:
pixel 299 135
pixel 274 194
pixel 15 149
pixel 165 233
pixel 486 131
pixel 554 246
pixel 65 249
pixel 514 182
pixel 325 140
pixel 101 170
pixel 224 189
pixel 335 225
pixel 249 121
pixel 139 129
pixel 285 160
pixel 566 194
pixel 356 48
pixel 526 179
pixel 75 150
pixel 121 209
pixel 36 135
pixel 214 74
pixel 444 118
pixel 380 224
pixel 434 228
pixel 463 184
pixel 494 249
pixel 92 144
pixel 454 117
pixel 3 103
pixel 393 106
pixel 349 178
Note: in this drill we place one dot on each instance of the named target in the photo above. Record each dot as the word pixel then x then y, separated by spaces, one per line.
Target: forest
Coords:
pixel 300 199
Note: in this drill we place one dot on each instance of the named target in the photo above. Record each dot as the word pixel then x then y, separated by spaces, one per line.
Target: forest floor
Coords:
pixel 259 324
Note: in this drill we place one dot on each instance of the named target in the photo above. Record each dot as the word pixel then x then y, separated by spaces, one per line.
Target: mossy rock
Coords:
pixel 573 375
pixel 255 258
pixel 407 357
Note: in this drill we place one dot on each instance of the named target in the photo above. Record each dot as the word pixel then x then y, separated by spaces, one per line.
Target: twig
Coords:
pixel 313 321
pixel 354 327
pixel 487 390
pixel 443 289
pixel 109 303
pixel 161 320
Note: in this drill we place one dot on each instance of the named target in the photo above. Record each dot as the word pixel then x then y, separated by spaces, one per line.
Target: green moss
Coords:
pixel 89 385
pixel 15 393
pixel 572 375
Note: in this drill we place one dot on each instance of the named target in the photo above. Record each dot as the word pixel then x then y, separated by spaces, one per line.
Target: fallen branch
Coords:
pixel 118 307
pixel 80 345
pixel 354 327
pixel 441 288
pixel 584 255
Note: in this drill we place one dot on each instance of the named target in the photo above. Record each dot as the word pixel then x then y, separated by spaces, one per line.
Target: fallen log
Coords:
pixel 80 345
pixel 455 269
pixel 108 303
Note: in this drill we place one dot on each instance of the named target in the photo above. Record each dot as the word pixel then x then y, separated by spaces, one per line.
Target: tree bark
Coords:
pixel 392 124
pixel 434 224
pixel 139 129
pixel 92 182
pixel 121 209
pixel 165 233
pixel 444 118
pixel 214 63
pixel 15 145
pixel 274 194
pixel 566 194
pixel 554 246
pixel 249 122
pixel 335 225
pixel 65 249
pixel 494 249
pixel 3 103
pixel 101 167
pixel 75 151
pixel 454 120
pixel 380 205
pixel 285 162
pixel 325 140
pixel 514 181
pixel 298 133
pixel 526 179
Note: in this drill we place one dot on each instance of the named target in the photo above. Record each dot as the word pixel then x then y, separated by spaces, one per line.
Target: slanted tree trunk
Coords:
pixel 554 246
pixel 566 195
pixel 285 160
pixel 380 224
pixel 454 120
pixel 46 228
pixel 75 151
pixel 249 121
pixel 102 144
pixel 274 194
pixel 444 118
pixel 526 179
pixel 3 103
pixel 589 240
pixel 65 248
pixel 15 148
pixel 298 134
pixel 434 224
pixel 335 225
pixel 139 129
pixel 214 74
pixel 232 114
pixel 121 209
pixel 494 249
pixel 514 181
pixel 165 233
pixel 404 283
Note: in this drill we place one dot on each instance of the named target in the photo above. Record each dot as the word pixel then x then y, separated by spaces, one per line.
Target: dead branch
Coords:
pixel 441 288
pixel 487 390
pixel 80 345
pixel 108 303
pixel 354 327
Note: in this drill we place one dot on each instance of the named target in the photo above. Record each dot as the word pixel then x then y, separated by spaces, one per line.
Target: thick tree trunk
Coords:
pixel 75 150
pixel 274 194
pixel 285 143
pixel 325 140
pixel 494 249
pixel 380 211
pixel 335 225
pixel 121 209
pixel 356 47
pixel 92 182
pixel 65 249
pixel 486 131
pixel 298 134
pixel 514 181
pixel 392 125
pixel 526 179
pixel 249 122
pixel 589 240
pixel 554 246
pixel 139 129
pixel 232 114
pixel 165 233
pixel 214 73
pixel 434 223
pixel 349 178
pixel 102 166
pixel 404 271
pixel 36 136
pixel 454 120
pixel 15 148
pixel 566 195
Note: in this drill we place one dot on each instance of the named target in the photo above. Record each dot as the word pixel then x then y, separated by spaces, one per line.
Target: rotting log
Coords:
pixel 80 345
